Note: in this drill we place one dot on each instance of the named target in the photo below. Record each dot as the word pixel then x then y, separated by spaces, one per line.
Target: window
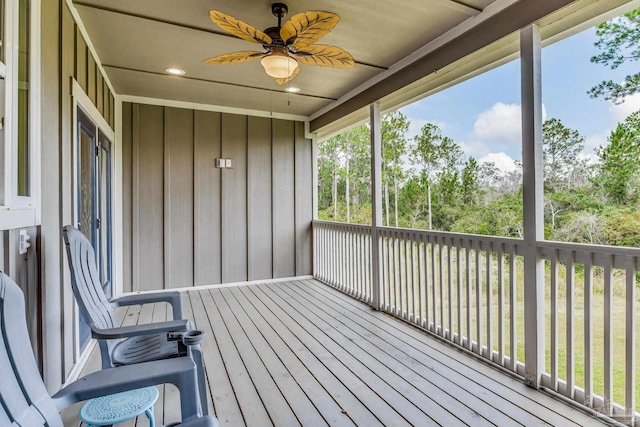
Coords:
pixel 22 169
pixel 19 113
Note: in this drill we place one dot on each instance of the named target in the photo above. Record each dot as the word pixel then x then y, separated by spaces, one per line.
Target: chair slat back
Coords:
pixel 24 401
pixel 85 280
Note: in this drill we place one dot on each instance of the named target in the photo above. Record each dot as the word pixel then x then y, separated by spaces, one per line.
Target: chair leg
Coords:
pixel 195 351
pixel 149 413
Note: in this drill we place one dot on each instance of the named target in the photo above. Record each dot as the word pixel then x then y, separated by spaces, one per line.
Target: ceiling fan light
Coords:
pixel 279 65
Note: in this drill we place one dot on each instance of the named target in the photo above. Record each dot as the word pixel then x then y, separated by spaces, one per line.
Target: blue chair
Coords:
pixel 122 346
pixel 24 401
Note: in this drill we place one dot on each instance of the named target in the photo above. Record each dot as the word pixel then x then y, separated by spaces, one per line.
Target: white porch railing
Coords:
pixel 592 320
pixel 342 258
pixel 469 289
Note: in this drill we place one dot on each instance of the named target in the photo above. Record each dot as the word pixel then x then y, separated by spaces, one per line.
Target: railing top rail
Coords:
pixel 581 247
pixel 342 225
pixel 542 244
pixel 453 235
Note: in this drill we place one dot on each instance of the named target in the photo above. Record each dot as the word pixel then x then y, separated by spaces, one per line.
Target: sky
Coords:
pixel 482 114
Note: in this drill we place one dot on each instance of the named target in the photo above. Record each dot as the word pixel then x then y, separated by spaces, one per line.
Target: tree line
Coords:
pixel 428 183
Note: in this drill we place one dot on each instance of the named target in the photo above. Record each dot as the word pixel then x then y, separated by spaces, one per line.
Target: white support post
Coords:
pixel 376 201
pixel 530 50
pixel 314 178
pixel 314 202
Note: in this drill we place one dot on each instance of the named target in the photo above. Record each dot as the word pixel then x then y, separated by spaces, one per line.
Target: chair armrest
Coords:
pixel 180 372
pixel 137 330
pixel 172 297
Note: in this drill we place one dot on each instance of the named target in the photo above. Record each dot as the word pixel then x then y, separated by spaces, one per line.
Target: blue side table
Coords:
pixel 115 408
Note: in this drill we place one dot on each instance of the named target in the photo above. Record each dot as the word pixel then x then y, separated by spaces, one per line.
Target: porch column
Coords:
pixel 530 47
pixel 314 202
pixel 376 201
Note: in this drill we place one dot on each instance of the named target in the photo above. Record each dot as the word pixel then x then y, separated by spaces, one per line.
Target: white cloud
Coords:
pixel 503 161
pixel 500 124
pixel 500 128
pixel 630 105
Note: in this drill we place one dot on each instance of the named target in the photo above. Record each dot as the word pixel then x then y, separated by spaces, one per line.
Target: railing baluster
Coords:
pixel 608 335
pixel 395 275
pixel 459 290
pixel 402 269
pixel 588 331
pixel 427 270
pixel 467 251
pixel 412 305
pixel 501 304
pixel 323 260
pixel 570 339
pixel 348 259
pixel 489 298
pixel 441 253
pixel 478 266
pixel 553 308
pixel 513 328
pixel 630 339
pixel 433 284
pixel 385 260
pixel 421 281
pixel 450 281
pixel 364 257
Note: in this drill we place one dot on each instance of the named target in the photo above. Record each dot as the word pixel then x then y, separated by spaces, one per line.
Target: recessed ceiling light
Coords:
pixel 175 71
pixel 292 89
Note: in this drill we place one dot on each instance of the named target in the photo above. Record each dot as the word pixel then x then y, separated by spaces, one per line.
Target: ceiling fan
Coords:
pixel 285 46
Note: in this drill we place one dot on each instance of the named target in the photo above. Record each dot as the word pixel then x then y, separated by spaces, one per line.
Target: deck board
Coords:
pixel 302 353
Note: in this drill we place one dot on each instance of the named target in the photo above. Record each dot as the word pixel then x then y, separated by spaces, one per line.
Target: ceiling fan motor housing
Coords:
pixel 279 10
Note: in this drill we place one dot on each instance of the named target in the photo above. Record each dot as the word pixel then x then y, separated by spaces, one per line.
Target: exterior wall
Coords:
pixel 64 56
pixel 188 223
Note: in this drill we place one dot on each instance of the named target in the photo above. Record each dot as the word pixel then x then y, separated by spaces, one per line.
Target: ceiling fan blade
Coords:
pixel 288 79
pixel 232 58
pixel 304 29
pixel 239 28
pixel 325 56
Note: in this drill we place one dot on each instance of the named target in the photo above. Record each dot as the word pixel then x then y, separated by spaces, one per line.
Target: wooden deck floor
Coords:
pixel 301 353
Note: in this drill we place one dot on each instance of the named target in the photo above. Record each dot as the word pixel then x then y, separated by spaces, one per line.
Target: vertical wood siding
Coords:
pixel 191 223
pixel 64 56
pixel 283 159
pixel 234 199
pixel 207 146
pixel 148 197
pixel 178 197
pixel 259 196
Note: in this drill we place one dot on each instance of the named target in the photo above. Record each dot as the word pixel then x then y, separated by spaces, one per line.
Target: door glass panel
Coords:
pixel 87 153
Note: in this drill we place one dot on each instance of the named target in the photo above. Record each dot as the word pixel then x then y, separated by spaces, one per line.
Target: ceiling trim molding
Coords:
pixel 209 107
pixel 500 24
pixel 87 39
pixel 155 73
pixel 193 27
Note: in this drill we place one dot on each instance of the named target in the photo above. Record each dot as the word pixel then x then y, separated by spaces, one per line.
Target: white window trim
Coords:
pixel 20 211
